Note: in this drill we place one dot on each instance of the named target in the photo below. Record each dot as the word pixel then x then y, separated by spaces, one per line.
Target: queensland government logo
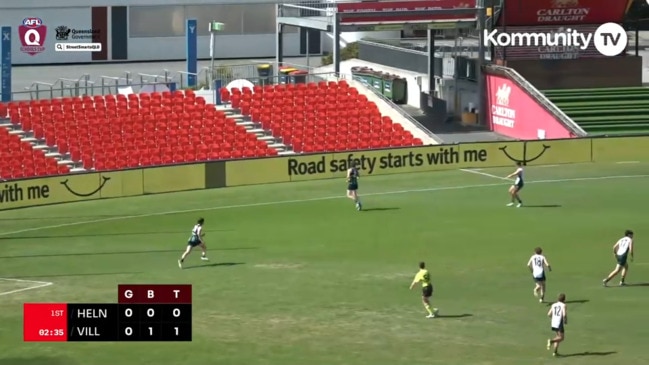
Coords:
pixel 32 36
pixel 64 33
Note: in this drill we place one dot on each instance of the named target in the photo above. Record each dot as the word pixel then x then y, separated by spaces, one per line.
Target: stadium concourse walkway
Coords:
pixel 605 111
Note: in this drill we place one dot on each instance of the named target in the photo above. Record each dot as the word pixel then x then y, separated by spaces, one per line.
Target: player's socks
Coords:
pixel 430 312
pixel 180 264
pixel 549 345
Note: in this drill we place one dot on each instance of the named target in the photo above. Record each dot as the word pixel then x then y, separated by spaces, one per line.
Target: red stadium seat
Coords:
pixel 113 132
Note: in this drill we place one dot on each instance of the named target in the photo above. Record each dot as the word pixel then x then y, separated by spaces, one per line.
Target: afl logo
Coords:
pixel 32 36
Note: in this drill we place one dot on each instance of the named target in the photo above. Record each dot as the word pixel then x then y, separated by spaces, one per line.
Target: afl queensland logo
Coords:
pixel 32 36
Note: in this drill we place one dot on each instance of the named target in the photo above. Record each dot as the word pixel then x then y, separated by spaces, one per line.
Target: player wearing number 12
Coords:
pixel 558 320
pixel 196 239
pixel 423 276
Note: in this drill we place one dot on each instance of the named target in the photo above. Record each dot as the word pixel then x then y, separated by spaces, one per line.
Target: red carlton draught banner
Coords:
pixel 563 12
pixel 514 113
pixel 384 8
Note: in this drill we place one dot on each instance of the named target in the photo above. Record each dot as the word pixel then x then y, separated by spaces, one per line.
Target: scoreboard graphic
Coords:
pixel 142 313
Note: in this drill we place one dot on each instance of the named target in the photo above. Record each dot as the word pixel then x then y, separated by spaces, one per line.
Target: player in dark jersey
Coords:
pixel 517 186
pixel 352 186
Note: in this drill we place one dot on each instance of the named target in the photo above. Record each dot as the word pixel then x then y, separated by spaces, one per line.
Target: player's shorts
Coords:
pixel 352 187
pixel 193 243
pixel 621 259
pixel 540 279
pixel 427 291
pixel 559 329
pixel 519 185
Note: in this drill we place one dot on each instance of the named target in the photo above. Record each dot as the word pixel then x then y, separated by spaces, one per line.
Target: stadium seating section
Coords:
pixel 117 131
pixel 605 111
pixel 323 116
pixel 19 159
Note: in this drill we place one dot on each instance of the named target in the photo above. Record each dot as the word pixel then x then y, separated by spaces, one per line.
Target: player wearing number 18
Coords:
pixel 196 239
pixel 537 265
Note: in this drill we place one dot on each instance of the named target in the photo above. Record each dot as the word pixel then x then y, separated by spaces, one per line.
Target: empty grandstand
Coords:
pixel 100 133
pixel 605 111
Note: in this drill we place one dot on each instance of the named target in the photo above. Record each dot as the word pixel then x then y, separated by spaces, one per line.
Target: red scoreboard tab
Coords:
pixel 154 294
pixel 45 322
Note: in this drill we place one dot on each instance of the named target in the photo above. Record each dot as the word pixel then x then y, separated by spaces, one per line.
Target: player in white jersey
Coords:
pixel 622 249
pixel 196 239
pixel 537 265
pixel 558 320
pixel 517 186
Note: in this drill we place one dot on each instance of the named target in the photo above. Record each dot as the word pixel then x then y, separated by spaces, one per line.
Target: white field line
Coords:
pixel 39 284
pixel 485 174
pixel 280 202
pixel 627 162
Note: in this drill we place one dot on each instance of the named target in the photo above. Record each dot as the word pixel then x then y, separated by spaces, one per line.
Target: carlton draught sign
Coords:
pixel 515 114
pixel 562 12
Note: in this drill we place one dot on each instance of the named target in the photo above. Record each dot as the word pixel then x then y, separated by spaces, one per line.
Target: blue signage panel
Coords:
pixel 217 92
pixel 192 51
pixel 5 64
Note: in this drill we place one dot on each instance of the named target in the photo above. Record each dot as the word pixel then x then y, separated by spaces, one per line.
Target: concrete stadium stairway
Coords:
pixel 256 129
pixel 605 111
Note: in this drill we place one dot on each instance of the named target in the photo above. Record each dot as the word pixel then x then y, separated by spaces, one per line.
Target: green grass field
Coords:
pixel 297 276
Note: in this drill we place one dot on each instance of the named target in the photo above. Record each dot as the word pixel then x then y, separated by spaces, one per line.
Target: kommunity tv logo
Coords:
pixel 610 39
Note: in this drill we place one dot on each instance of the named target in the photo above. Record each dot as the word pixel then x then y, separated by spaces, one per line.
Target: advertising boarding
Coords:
pixel 514 113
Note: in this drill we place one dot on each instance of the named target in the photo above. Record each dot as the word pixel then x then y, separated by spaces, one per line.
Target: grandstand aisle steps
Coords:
pixel 255 128
pixel 37 145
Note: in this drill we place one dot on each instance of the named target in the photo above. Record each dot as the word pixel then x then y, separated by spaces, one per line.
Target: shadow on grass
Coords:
pixel 638 284
pixel 45 276
pixel 576 301
pixel 379 209
pixel 215 264
pixel 588 353
pixel 543 206
pixel 179 250
pixel 113 234
pixel 465 315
